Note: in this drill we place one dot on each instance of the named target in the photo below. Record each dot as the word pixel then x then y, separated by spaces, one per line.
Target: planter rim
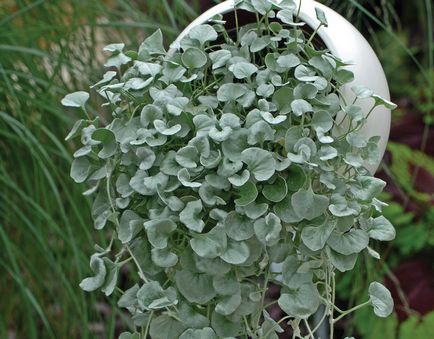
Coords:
pixel 345 42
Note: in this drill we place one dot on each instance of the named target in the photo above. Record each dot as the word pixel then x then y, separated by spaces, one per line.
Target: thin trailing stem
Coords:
pixel 355 308
pixel 309 41
pixel 264 292
pixel 309 330
pixel 321 321
pixel 141 273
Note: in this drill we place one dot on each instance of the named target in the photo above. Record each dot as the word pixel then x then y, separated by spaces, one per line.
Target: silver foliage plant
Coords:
pixel 233 153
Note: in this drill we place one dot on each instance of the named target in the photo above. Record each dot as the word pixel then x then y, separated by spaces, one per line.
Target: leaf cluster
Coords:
pixel 222 158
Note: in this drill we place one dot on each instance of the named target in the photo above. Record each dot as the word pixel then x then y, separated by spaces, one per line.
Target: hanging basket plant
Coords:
pixel 233 161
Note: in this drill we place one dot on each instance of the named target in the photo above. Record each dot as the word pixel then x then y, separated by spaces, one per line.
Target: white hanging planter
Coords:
pixel 347 43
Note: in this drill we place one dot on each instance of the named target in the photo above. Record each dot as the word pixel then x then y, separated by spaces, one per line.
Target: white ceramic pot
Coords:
pixel 347 43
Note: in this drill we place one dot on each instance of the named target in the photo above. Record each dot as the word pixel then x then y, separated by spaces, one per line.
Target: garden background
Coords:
pixel 52 47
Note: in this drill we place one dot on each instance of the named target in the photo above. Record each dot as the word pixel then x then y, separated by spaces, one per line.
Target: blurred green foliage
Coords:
pixel 420 327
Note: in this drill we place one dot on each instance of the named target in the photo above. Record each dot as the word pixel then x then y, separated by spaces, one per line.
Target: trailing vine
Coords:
pixel 231 163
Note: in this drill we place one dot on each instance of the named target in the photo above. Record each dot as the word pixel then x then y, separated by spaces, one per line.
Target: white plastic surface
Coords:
pixel 347 43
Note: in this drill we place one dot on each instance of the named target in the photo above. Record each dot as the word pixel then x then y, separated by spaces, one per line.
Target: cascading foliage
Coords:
pixel 229 154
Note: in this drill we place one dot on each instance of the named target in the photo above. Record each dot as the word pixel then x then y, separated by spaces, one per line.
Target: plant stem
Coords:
pixel 317 326
pixel 351 310
pixel 141 273
pixel 306 323
pixel 313 34
pixel 269 304
pixel 248 329
pixel 236 26
pixel 298 11
pixel 264 291
pixel 147 325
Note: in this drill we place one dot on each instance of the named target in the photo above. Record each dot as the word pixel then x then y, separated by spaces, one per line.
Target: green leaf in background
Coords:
pixel 277 191
pixel 238 227
pixel 128 335
pixel 230 92
pixel 159 231
pixel 368 188
pixel 381 299
pixel 163 257
pixel 224 326
pixel 381 229
pixel 164 129
pixel 293 134
pixel 226 284
pixel 228 304
pixel 108 141
pixel 287 17
pixel 240 180
pixel 242 70
pixel 190 216
pixel 288 61
pixel 129 224
pixel 353 241
pixel 300 106
pixel 268 229
pixel 204 333
pixel 185 179
pixel 99 270
pixel 210 245
pixel 80 169
pixel 417 327
pixel 262 6
pixel 153 44
pixel 236 252
pixel 219 58
pixel 195 287
pixel 304 73
pixel 301 302
pixel 259 162
pixel 146 156
pixel 285 211
pixel 248 194
pixel 76 99
pixel 151 296
pixel 187 157
pixel 164 326
pixel 342 262
pixel 320 15
pixel 203 33
pixel 309 205
pixel 194 58
pixel 76 129
pixel 296 178
pixel 384 102
pixel 362 92
pixel 315 237
pixel 323 120
pixel 149 114
pixel 191 317
pixel 282 99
